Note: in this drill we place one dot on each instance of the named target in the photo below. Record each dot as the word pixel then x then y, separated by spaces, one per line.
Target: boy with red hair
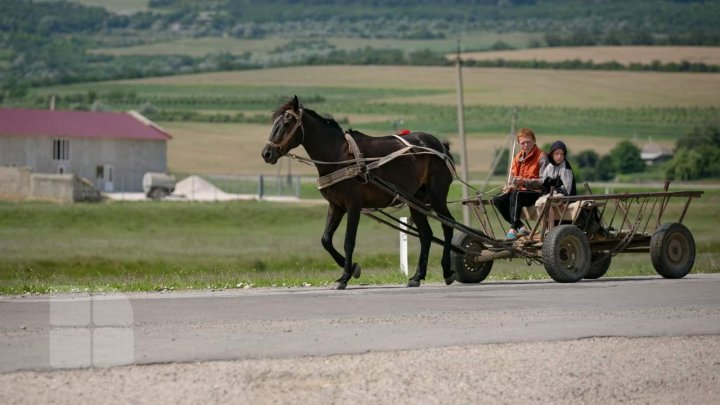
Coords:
pixel 525 184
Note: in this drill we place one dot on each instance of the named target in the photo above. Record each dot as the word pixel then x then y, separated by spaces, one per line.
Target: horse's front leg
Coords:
pixel 334 217
pixel 425 234
pixel 350 269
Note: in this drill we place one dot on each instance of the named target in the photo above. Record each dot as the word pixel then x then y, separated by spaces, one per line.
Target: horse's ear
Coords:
pixel 295 103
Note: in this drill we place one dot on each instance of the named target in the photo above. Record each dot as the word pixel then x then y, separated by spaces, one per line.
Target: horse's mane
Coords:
pixel 354 132
pixel 327 119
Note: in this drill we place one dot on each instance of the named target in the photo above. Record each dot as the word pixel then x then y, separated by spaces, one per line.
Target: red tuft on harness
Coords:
pixel 404 132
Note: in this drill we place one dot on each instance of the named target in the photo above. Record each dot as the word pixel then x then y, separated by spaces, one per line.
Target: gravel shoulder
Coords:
pixel 658 370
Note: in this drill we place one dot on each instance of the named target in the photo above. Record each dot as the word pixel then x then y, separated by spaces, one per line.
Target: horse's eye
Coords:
pixel 288 116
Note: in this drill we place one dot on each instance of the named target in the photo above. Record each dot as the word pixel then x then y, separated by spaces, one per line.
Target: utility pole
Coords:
pixel 510 139
pixel 461 134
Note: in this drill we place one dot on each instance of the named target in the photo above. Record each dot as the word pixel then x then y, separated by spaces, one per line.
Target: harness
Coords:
pixel 289 137
pixel 363 165
pixel 359 165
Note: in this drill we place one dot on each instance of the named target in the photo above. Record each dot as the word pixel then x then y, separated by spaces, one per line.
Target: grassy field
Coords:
pixel 204 148
pixel 152 246
pixel 198 47
pixel 127 246
pixel 436 86
pixel 589 110
pixel 622 54
pixel 266 46
pixel 494 87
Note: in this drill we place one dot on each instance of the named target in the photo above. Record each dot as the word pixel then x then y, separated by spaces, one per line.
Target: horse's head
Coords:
pixel 287 131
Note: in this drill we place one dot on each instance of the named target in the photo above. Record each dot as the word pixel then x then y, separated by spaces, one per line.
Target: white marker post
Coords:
pixel 403 246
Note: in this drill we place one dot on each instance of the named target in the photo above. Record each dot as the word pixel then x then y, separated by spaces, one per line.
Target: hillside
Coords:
pixel 597 72
pixel 219 121
pixel 51 42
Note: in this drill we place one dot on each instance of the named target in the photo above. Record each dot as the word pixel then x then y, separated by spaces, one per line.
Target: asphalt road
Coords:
pixel 44 333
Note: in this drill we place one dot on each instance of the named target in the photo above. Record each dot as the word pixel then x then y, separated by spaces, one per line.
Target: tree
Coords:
pixel 585 167
pixel 587 158
pixel 683 166
pixel 700 136
pixel 426 57
pixel 605 169
pixel 697 155
pixel 626 158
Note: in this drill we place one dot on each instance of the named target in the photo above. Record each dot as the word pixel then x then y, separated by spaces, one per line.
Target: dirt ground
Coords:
pixel 663 370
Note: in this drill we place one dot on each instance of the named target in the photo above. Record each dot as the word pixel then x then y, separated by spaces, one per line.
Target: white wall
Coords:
pixel 130 158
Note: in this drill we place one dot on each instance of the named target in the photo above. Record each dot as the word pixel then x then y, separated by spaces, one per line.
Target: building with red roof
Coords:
pixel 112 150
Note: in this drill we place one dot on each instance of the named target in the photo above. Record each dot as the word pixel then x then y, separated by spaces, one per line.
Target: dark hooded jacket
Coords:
pixel 560 177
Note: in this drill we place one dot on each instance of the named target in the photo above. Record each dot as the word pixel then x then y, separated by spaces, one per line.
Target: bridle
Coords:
pixel 291 133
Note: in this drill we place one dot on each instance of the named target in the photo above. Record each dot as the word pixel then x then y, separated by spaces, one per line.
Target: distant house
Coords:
pixel 652 153
pixel 112 150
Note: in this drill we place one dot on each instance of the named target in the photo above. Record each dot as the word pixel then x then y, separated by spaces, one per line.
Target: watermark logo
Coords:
pixel 91 332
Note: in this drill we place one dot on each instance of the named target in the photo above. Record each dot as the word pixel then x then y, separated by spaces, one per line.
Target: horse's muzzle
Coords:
pixel 270 154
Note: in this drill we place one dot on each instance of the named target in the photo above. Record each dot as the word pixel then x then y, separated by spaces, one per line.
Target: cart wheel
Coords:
pixel 672 250
pixel 599 265
pixel 466 269
pixel 566 254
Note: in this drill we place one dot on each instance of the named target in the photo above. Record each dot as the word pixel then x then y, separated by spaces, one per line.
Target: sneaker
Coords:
pixel 511 235
pixel 523 231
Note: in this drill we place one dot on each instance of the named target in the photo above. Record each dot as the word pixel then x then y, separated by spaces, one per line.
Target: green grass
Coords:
pixel 198 47
pixel 146 246
pixel 624 105
pixel 640 121
pixel 209 45
pixel 153 246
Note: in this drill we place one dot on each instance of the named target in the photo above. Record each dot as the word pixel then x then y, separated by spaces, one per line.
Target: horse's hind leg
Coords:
pixel 448 273
pixel 334 217
pixel 440 207
pixel 425 235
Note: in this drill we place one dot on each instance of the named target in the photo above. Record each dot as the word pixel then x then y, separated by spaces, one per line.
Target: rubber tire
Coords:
pixel 566 254
pixel 158 193
pixel 599 265
pixel 467 271
pixel 672 250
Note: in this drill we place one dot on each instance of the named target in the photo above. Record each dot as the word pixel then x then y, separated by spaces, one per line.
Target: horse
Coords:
pixel 425 176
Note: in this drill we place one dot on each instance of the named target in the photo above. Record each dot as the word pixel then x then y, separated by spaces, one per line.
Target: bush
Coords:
pixel 697 155
pixel 626 158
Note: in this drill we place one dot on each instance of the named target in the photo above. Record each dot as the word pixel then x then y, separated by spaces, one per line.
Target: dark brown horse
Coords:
pixel 426 176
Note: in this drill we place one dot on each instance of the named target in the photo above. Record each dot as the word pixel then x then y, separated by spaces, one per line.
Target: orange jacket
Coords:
pixel 528 166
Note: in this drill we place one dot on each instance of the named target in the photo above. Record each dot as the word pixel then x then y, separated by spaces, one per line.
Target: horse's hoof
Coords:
pixel 356 270
pixel 450 280
pixel 413 283
pixel 340 286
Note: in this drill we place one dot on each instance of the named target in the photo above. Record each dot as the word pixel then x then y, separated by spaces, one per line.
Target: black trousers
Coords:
pixel 510 205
